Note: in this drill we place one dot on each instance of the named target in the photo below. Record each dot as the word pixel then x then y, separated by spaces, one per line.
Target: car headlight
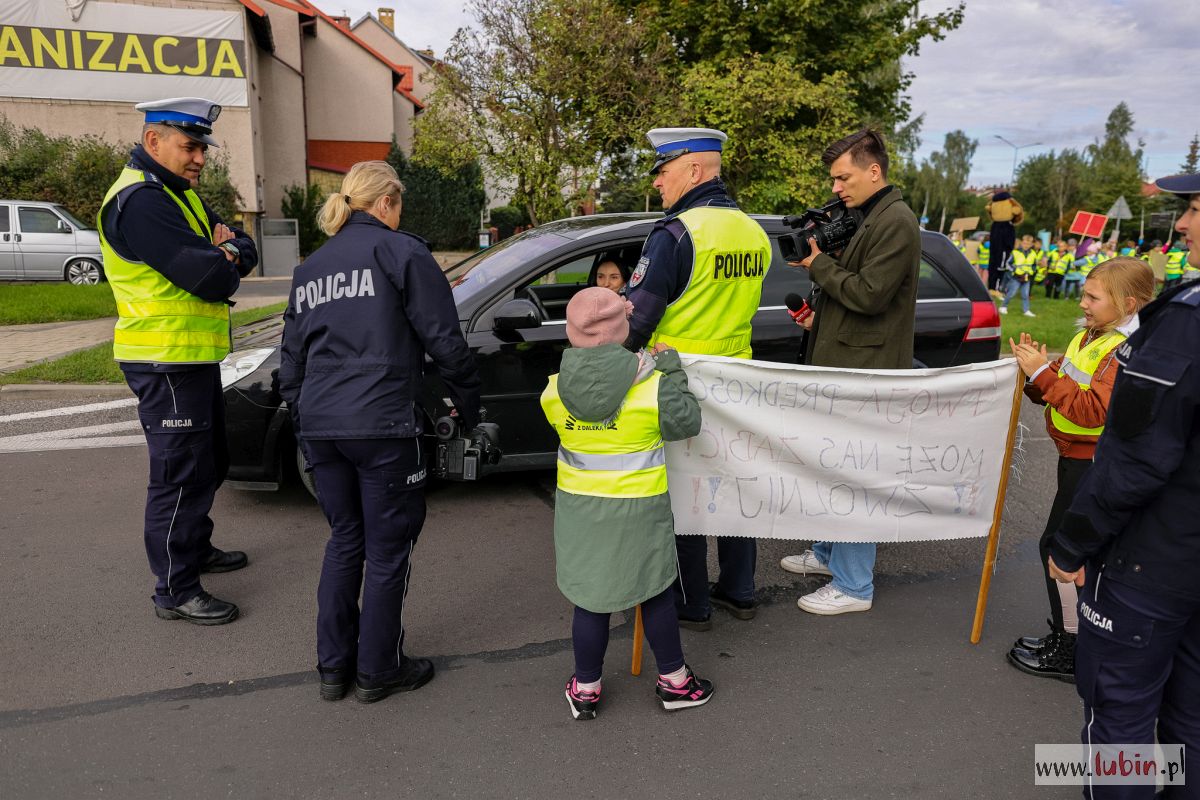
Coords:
pixel 241 363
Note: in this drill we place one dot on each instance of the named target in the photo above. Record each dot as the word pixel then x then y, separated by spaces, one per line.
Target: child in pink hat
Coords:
pixel 614 536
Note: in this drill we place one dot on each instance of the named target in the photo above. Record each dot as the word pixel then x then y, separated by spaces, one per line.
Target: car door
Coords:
pixel 45 242
pixel 9 263
pixel 777 337
pixel 943 313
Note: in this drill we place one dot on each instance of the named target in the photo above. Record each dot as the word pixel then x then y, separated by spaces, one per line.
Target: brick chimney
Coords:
pixel 387 18
pixel 341 22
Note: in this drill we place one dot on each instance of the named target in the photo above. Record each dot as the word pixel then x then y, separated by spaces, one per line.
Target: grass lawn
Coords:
pixel 1053 326
pixel 96 365
pixel 22 303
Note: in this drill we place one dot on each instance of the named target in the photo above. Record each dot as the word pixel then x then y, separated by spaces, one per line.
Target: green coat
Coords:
pixel 613 553
pixel 866 311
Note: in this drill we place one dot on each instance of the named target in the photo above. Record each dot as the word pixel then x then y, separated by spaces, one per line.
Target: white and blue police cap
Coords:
pixel 192 116
pixel 671 143
pixel 1180 184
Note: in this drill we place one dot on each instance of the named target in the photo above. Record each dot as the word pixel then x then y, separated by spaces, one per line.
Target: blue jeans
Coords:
pixel 1011 289
pixel 852 565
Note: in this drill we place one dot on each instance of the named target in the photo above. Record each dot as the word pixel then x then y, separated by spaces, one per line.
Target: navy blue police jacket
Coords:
pixel 665 268
pixel 364 311
pixel 1137 511
pixel 143 224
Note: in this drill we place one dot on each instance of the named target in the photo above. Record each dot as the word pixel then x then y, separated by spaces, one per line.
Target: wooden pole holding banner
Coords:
pixel 989 559
pixel 638 636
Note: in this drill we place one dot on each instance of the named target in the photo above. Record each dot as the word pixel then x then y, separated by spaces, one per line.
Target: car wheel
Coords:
pixel 84 272
pixel 306 476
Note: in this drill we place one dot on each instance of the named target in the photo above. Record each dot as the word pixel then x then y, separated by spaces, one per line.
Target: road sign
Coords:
pixel 1088 224
pixel 1120 209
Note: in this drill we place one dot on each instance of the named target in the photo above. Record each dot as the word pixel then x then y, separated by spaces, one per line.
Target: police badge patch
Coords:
pixel 639 271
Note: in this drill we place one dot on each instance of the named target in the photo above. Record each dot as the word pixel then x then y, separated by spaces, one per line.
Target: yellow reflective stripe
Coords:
pixel 1082 373
pixel 615 483
pixel 1084 379
pixel 172 308
pixel 704 347
pixel 171 338
pixel 620 462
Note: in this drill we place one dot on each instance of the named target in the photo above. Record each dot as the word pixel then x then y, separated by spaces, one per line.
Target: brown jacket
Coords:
pixel 867 306
pixel 1085 408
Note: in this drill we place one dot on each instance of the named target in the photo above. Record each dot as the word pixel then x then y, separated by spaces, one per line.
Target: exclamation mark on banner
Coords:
pixel 713 485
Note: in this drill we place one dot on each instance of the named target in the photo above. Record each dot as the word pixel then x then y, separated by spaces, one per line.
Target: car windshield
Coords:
pixel 74 220
pixel 473 275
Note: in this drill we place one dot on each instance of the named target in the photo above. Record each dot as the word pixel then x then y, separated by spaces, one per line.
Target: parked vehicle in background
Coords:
pixel 45 242
pixel 512 301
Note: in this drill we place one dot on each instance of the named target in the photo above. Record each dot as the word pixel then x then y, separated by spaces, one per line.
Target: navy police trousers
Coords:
pixel 737 557
pixel 1137 661
pixel 372 493
pixel 183 416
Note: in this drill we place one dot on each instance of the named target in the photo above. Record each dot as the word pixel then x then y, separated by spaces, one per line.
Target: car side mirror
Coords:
pixel 516 315
pixel 63 227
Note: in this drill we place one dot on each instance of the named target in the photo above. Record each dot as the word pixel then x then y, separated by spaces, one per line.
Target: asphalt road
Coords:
pixel 99 698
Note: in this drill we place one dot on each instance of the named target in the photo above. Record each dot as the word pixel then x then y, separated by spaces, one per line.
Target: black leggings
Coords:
pixel 1070 472
pixel 589 632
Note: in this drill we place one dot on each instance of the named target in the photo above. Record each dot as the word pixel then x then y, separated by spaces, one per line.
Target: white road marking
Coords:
pixel 69 410
pixel 83 438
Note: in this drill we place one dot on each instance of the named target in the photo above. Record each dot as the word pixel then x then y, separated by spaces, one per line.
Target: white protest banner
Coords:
pixel 122 52
pixel 836 455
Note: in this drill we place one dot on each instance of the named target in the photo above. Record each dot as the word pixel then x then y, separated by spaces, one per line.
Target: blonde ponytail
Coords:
pixel 363 185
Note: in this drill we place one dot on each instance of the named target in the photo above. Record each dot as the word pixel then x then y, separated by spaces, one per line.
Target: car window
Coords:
pixel 473 276
pixel 37 220
pixel 574 271
pixel 554 288
pixel 782 280
pixel 4 219
pixel 933 285
pixel 79 224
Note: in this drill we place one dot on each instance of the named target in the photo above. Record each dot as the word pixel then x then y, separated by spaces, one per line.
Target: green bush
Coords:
pixel 77 172
pixel 303 203
pixel 441 204
pixel 506 218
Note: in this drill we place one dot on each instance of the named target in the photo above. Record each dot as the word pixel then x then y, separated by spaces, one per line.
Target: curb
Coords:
pixel 103 389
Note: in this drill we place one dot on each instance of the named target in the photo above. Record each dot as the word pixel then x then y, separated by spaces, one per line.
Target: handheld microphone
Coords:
pixel 798 309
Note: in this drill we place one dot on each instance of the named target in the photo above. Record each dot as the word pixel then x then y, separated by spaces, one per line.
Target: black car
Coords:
pixel 512 301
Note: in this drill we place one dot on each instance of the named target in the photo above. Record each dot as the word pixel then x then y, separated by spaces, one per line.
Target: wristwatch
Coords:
pixel 231 248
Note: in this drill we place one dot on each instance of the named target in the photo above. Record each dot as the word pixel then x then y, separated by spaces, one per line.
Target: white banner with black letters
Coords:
pixel 793 452
pixel 121 51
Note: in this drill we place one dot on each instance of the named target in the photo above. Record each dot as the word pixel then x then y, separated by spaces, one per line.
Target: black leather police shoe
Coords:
pixel 696 624
pixel 335 681
pixel 224 561
pixel 742 609
pixel 1057 660
pixel 416 673
pixel 203 609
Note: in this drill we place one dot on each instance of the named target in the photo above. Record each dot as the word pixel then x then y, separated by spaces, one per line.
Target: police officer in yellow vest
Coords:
pixel 696 288
pixel 173 265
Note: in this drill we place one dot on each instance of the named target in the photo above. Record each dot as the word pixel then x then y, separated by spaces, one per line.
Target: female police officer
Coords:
pixel 364 310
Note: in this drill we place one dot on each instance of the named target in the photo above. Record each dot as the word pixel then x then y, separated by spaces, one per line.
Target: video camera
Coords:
pixel 831 225
pixel 465 457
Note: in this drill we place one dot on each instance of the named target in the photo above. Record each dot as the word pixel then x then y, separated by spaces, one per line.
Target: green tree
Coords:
pixel 1114 166
pixel 1051 189
pixel 626 185
pixel 946 175
pixel 303 204
pixel 441 203
pixel 217 189
pixel 1191 164
pixel 543 90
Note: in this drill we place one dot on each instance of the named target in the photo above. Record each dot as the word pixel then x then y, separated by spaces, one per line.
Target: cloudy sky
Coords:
pixel 1032 71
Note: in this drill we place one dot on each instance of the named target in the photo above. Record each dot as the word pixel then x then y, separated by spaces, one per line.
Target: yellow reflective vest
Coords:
pixel 1023 264
pixel 157 322
pixel 712 315
pixel 1060 261
pixel 621 456
pixel 1175 262
pixel 982 255
pixel 1080 363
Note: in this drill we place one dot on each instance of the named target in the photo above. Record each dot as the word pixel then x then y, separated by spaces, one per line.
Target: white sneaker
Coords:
pixel 1030 314
pixel 806 563
pixel 829 601
pixel 1003 309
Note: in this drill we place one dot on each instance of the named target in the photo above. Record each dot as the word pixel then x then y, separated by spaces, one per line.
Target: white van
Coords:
pixel 45 242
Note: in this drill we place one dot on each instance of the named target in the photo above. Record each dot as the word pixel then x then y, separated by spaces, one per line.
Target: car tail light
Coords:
pixel 985 322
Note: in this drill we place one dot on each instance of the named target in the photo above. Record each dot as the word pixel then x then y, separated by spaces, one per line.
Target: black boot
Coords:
pixel 1034 642
pixel 1055 660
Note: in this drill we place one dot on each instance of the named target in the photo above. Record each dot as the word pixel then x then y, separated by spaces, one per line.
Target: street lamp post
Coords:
pixel 1016 148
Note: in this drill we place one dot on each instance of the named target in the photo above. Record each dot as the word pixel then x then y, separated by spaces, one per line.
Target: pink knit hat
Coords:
pixel 597 316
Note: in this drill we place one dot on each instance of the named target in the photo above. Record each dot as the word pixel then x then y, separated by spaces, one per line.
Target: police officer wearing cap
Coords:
pixel 1131 538
pixel 696 288
pixel 173 264
pixel 365 310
